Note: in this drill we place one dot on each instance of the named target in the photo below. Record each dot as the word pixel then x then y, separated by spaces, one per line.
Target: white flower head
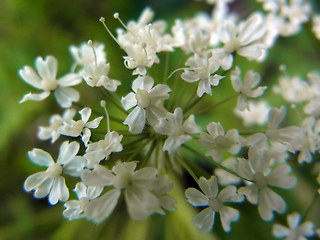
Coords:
pixel 147 101
pixel 296 230
pixel 46 80
pixel 214 202
pixel 177 131
pixel 50 182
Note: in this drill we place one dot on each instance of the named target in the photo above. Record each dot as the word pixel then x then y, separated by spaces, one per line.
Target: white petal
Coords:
pixel 85 114
pixel 103 177
pixel 279 177
pixel 40 157
pixel 34 97
pixel 229 194
pixel 209 187
pixel 67 152
pixel 33 181
pixel 190 76
pixel 251 193
pixel 204 87
pixel 66 95
pixel 81 190
pixel 94 123
pixel 236 80
pixel 173 143
pixel 269 201
pixel 47 68
pixel 196 198
pixel 280 231
pixel 86 134
pixel 204 220
pixel 70 79
pixel 160 91
pixel 142 82
pixel 75 166
pixel 30 77
pixel 59 191
pixel 228 215
pixel 276 115
pixel 190 125
pixel 294 220
pixel 129 101
pixel 101 208
pixel 43 189
pixel 136 120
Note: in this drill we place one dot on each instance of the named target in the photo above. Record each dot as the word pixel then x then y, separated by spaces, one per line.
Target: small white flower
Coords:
pixel 256 113
pixel 96 75
pixel 246 87
pixel 84 54
pixel 214 202
pixel 257 168
pixel 176 131
pixel 217 140
pixel 81 127
pixel 296 231
pixel 202 69
pixel 97 151
pixel 76 209
pixel 148 101
pixel 55 121
pixel 141 194
pixel 50 182
pixel 46 80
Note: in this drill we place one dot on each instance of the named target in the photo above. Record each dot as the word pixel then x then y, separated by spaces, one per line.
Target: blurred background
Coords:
pixel 30 28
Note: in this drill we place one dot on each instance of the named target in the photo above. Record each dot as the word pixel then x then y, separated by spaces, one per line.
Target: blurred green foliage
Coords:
pixel 30 28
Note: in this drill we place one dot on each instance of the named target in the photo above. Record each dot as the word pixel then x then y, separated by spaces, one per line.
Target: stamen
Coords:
pixel 183 68
pixel 103 104
pixel 117 16
pixel 102 19
pixel 94 52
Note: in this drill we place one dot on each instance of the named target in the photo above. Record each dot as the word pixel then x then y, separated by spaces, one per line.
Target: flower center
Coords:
pixel 122 180
pixel 83 203
pixel 222 142
pixel 215 204
pixel 260 180
pixel 49 84
pixel 143 98
pixel 54 171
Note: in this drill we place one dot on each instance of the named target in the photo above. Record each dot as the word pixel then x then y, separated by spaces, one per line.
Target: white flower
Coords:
pixel 256 113
pixel 202 69
pixel 81 127
pixel 76 209
pixel 289 137
pixel 97 151
pixel 257 169
pixel 246 87
pixel 217 140
pixel 214 202
pixel 50 182
pixel 84 53
pixel 96 75
pixel 296 231
pixel 46 80
pixel 55 121
pixel 143 192
pixel 178 133
pixel 245 38
pixel 148 101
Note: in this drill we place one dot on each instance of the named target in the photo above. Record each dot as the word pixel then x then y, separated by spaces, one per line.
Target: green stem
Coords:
pixel 314 199
pixel 190 171
pixel 216 164
pixel 197 100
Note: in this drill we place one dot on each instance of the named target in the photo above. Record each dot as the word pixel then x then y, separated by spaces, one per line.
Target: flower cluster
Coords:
pixel 160 134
